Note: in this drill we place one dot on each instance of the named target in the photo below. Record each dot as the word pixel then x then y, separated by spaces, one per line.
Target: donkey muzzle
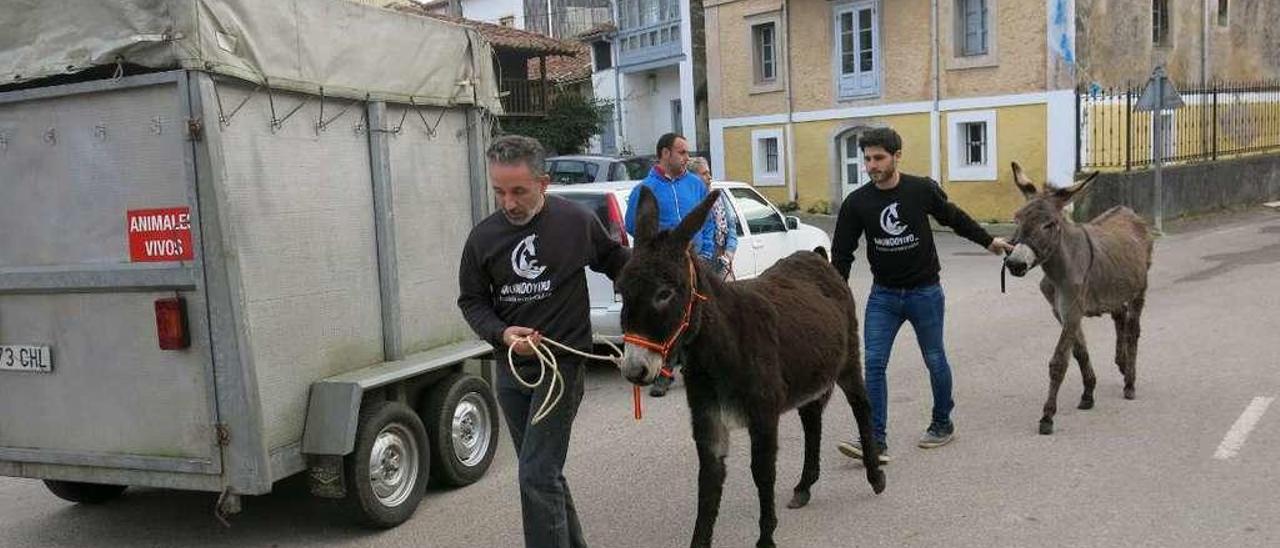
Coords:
pixel 1020 260
pixel 640 365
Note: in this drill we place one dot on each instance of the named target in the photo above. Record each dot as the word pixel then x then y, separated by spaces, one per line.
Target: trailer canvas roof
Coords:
pixel 349 50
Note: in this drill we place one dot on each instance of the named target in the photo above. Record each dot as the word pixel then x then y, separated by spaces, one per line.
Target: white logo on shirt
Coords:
pixel 890 222
pixel 524 259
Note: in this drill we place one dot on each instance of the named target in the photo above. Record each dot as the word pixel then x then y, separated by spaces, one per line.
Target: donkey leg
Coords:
pixel 850 382
pixel 1057 370
pixel 764 462
pixel 711 437
pixel 1133 330
pixel 1081 353
pixel 811 420
pixel 1121 319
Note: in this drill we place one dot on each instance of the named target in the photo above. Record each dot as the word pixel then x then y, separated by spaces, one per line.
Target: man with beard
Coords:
pixel 521 278
pixel 894 214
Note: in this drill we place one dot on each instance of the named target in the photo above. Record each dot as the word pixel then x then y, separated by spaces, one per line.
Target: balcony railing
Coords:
pixel 649 43
pixel 528 97
pixel 567 22
pixel 524 97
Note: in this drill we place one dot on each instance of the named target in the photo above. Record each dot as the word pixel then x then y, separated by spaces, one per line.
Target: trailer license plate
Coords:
pixel 35 359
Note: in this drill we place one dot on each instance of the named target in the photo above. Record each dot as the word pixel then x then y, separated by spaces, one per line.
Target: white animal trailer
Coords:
pixel 229 237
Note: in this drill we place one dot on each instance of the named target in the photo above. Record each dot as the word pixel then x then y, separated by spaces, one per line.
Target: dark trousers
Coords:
pixel 550 519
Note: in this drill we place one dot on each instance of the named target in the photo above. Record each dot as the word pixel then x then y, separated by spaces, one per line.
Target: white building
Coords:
pixel 645 66
pixel 642 55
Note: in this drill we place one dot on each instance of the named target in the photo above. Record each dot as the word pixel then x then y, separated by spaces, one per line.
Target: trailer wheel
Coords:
pixel 386 475
pixel 462 420
pixel 84 493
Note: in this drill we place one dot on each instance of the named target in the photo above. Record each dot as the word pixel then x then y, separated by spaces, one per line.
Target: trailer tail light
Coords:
pixel 171 323
pixel 615 216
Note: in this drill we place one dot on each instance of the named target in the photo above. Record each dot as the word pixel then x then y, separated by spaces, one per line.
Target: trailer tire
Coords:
pixel 84 493
pixel 389 437
pixel 462 421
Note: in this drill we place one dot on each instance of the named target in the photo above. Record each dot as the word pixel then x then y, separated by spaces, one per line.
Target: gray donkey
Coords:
pixel 1099 267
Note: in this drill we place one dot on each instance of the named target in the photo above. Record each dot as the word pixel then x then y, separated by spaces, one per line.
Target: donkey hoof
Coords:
pixel 799 499
pixel 766 543
pixel 1046 427
pixel 876 479
pixel 1128 393
pixel 1085 403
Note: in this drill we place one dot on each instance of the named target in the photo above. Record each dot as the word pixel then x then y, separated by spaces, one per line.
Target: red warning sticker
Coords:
pixel 157 235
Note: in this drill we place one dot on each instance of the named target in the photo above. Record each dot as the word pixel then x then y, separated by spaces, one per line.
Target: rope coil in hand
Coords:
pixel 547 361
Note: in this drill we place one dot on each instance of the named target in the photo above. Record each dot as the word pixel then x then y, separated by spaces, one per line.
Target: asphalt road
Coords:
pixel 1127 473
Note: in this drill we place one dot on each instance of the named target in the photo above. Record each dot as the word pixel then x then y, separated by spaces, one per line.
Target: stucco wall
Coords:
pixel 1019 137
pixel 1017 64
pixel 648 107
pixel 1114 41
pixel 730 66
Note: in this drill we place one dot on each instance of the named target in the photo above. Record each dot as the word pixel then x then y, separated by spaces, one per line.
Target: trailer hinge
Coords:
pixel 223 433
pixel 195 129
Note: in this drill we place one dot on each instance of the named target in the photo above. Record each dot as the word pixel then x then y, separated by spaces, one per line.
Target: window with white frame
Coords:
pixel 971 155
pixel 857 49
pixel 651 11
pixel 764 46
pixel 853 172
pixel 648 23
pixel 974 40
pixel 768 157
pixel 628 14
pixel 972 28
pixel 671 11
pixel 975 143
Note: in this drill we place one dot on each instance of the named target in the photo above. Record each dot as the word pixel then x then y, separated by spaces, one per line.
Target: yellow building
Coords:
pixel 971 85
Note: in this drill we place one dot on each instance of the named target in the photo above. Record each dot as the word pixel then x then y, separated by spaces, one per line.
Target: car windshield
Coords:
pixel 638 168
pixel 761 217
pixel 572 172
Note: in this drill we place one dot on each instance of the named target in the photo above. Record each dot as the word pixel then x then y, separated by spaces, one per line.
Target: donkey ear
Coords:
pixel 646 215
pixel 1023 183
pixel 692 223
pixel 1065 195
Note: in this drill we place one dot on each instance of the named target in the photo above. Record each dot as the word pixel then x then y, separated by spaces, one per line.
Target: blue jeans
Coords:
pixel 887 308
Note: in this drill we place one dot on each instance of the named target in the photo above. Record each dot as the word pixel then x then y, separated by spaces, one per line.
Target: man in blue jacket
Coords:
pixel 678 191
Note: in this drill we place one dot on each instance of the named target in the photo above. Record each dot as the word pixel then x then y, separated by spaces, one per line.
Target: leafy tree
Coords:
pixel 567 127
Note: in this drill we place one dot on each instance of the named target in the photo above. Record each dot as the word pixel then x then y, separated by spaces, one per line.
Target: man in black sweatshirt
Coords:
pixel 522 279
pixel 894 214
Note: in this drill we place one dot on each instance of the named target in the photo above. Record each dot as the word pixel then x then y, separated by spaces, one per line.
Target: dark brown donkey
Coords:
pixel 1092 269
pixel 751 349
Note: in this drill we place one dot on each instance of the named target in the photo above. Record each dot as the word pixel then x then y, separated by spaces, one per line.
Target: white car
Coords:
pixel 764 236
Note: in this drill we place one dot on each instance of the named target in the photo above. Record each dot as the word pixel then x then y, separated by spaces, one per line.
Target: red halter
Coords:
pixel 664 348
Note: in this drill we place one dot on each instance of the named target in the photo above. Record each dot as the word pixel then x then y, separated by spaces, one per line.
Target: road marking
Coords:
pixel 1239 432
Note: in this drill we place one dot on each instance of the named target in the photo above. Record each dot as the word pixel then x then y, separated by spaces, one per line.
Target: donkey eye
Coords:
pixel 663 296
pixel 1049 225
